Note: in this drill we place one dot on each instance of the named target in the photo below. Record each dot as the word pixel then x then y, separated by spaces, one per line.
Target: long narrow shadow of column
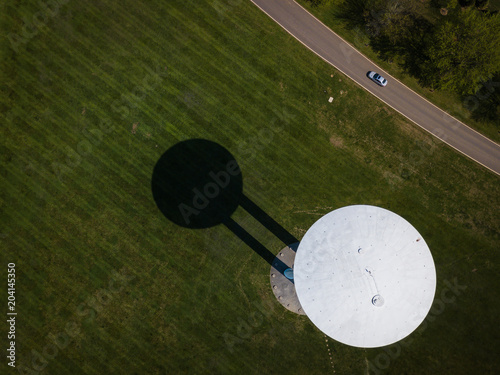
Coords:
pixel 198 184
pixel 254 244
pixel 267 221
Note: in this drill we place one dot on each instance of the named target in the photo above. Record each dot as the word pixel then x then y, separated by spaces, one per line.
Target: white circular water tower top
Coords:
pixel 364 276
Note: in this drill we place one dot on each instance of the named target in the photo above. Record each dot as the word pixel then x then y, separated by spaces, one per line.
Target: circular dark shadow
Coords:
pixel 197 184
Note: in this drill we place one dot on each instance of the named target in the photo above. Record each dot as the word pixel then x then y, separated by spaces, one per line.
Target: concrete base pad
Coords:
pixel 284 289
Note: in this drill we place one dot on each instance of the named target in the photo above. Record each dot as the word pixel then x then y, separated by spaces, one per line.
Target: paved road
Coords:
pixel 329 46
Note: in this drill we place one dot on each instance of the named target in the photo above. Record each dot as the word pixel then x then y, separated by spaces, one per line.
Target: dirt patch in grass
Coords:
pixel 336 141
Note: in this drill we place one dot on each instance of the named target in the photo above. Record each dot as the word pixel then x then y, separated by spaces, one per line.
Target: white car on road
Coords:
pixel 377 78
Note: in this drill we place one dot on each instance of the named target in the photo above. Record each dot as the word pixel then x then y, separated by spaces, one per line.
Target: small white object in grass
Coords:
pixel 331 99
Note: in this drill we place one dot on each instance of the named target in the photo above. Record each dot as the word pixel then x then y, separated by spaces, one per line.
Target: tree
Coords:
pixel 355 12
pixel 463 52
pixel 391 18
pixel 467 3
pixel 486 102
pixel 396 21
pixel 482 4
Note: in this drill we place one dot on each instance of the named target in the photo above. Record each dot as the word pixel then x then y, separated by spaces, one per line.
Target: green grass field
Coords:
pixel 91 101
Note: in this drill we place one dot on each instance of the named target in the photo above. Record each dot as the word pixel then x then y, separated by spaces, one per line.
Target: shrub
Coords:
pixel 466 3
pixel 482 4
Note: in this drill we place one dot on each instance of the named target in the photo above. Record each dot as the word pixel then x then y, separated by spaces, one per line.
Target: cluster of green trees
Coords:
pixel 458 52
pixel 463 51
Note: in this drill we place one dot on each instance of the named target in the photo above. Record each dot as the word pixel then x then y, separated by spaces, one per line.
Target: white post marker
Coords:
pixel 364 276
